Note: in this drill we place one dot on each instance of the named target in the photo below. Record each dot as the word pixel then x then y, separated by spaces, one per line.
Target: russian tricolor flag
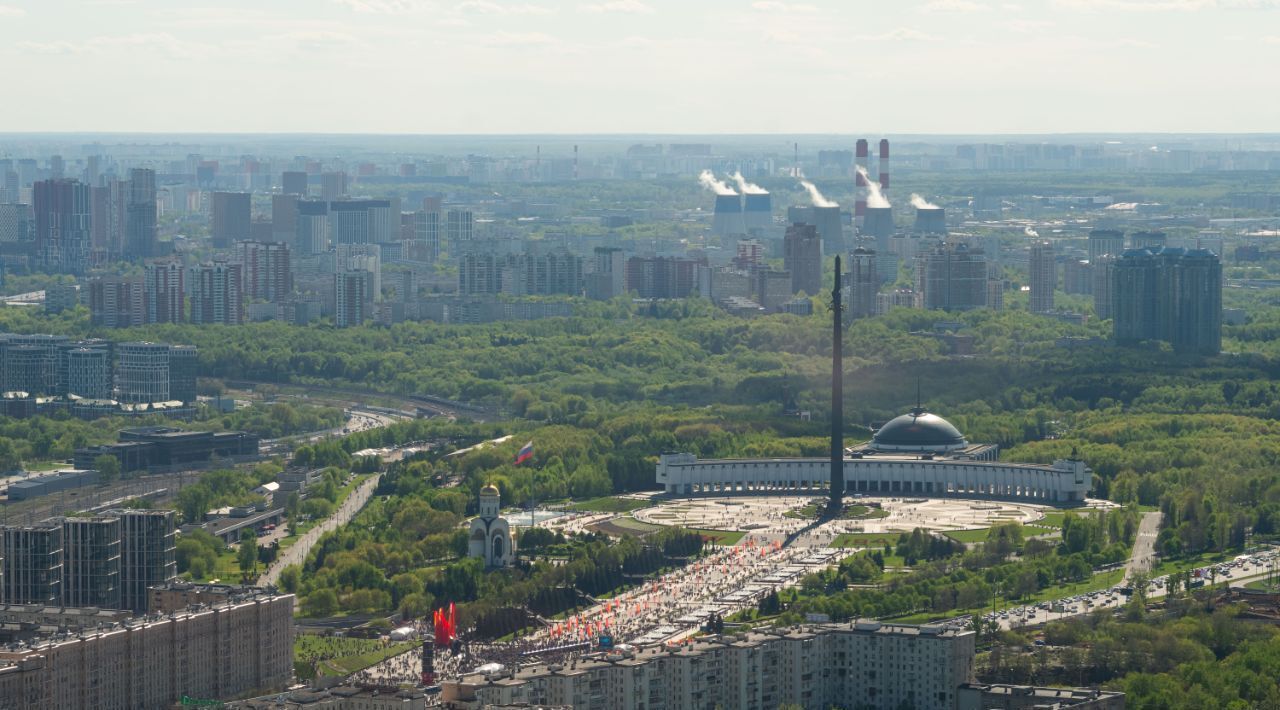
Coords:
pixel 525 454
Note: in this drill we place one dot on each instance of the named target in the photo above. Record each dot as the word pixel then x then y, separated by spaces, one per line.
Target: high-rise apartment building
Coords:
pixel 62 225
pixel 459 228
pixel 109 210
pixel 268 271
pixel 293 182
pixel 541 274
pixel 141 238
pixel 232 218
pixel 952 278
pixel 1105 241
pixel 663 277
pixel 184 362
pixel 1102 271
pixel 361 257
pixel 1155 241
pixel 88 372
pixel 312 235
pixel 802 257
pixel 216 293
pixel 239 640
pixel 284 218
pixel 116 302
pixel 15 222
pixel 91 562
pixel 164 292
pixel 1171 295
pixel 143 372
pixel 480 272
pixel 31 362
pixel 147 554
pixel 609 277
pixel 426 234
pixel 361 221
pixel 351 302
pixel 1077 277
pixel 864 283
pixel 865 664
pixel 333 186
pixel 1044 277
pixel 32 558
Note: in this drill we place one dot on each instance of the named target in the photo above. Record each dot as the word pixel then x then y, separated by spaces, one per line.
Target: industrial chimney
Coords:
pixel 931 220
pixel 727 219
pixel 884 165
pixel 860 183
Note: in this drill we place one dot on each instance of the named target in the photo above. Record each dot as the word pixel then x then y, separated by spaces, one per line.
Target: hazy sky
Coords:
pixel 652 66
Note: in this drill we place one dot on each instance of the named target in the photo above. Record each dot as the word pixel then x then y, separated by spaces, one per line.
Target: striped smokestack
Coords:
pixel 860 183
pixel 884 165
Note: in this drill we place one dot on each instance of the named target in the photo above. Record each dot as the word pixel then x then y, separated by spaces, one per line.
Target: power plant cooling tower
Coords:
pixel 800 214
pixel 931 220
pixel 758 213
pixel 878 223
pixel 827 220
pixel 728 216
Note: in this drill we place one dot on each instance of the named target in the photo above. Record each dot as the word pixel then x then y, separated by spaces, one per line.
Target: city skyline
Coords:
pixel 626 66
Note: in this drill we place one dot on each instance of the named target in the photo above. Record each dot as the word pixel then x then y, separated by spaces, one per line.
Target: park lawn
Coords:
pixel 351 664
pixel 850 512
pixel 1052 519
pixel 609 504
pixel 720 537
pixel 868 540
pixel 631 524
pixel 350 654
pixel 968 536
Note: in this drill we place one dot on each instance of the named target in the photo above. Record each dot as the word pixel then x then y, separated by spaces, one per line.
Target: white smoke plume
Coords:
pixel 1030 232
pixel 920 203
pixel 709 182
pixel 747 188
pixel 875 196
pixel 816 196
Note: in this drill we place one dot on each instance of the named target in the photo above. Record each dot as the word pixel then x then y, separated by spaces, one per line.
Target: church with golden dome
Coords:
pixel 491 537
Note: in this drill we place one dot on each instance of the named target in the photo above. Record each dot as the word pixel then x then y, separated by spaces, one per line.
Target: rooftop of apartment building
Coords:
pixel 26 628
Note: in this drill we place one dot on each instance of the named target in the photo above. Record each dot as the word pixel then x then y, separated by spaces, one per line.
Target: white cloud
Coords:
pixel 902 34
pixel 1025 26
pixel 162 42
pixel 316 40
pixel 1166 5
pixel 11 11
pixel 1133 43
pixel 629 7
pixel 487 7
pixel 1273 39
pixel 386 7
pixel 59 47
pixel 954 6
pixel 520 39
pixel 785 7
